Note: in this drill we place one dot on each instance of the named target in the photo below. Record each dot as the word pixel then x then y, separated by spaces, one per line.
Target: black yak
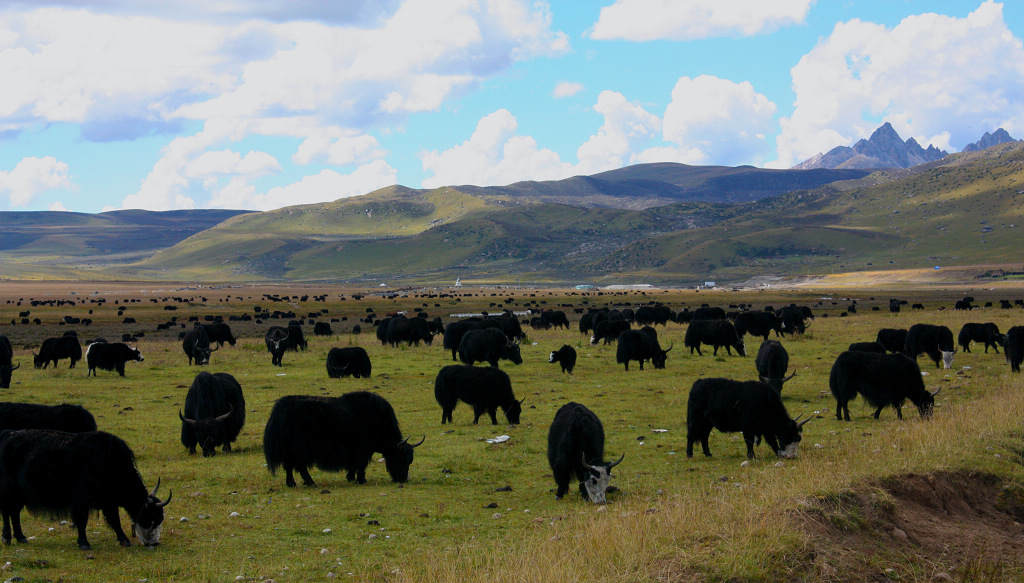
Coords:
pixel 576 450
pixel 214 413
pixel 882 379
pixel 483 388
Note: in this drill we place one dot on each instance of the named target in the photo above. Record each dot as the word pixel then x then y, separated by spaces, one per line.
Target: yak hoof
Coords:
pixel 85 546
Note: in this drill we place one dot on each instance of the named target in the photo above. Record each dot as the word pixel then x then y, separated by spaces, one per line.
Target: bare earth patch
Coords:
pixel 947 526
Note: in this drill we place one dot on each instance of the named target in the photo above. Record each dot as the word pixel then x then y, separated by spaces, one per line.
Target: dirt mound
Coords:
pixel 954 526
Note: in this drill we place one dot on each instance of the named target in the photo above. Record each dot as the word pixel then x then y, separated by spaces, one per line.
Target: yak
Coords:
pixel 278 339
pixel 196 345
pixel 483 388
pixel 220 333
pixel 717 333
pixel 57 348
pixel 608 331
pixel 333 434
pixel 214 413
pixel 935 341
pixel 60 473
pixel 1014 347
pixel 758 324
pixel 576 449
pixel 488 345
pixel 893 339
pixel 351 361
pixel 752 408
pixel 565 356
pixel 867 347
pixel 70 418
pixel 772 364
pixel 882 379
pixel 987 333
pixel 110 357
pixel 641 345
pixel 7 367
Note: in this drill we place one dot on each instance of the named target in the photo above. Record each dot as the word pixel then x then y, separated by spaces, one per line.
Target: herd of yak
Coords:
pixel 52 458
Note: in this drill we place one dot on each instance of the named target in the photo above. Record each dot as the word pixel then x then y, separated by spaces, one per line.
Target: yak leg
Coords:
pixel 583 491
pixel 120 369
pixel 226 448
pixel 493 412
pixel 114 520
pixel 562 479
pixel 879 411
pixel 478 411
pixel 12 516
pixel 80 516
pixel 306 479
pixel 748 438
pixel 899 412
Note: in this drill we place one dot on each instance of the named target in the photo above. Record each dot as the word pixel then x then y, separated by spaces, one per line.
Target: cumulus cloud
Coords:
pixel 939 79
pixel 646 20
pixel 57 206
pixel 493 155
pixel 717 121
pixel 626 129
pixel 567 89
pixel 33 176
pixel 325 186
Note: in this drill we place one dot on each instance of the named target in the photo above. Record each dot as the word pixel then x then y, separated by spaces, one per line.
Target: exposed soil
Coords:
pixel 955 526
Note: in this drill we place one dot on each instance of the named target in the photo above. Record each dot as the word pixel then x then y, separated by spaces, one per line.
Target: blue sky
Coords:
pixel 110 104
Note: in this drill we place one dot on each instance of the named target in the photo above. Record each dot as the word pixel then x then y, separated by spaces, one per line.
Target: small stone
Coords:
pixel 373 522
pixel 372 536
pixel 496 515
pixel 899 534
pixel 234 515
pixel 324 551
pixel 602 508
pixel 240 578
pixel 183 519
pixel 779 464
pixel 326 531
pixel 942 576
pixel 504 489
pixel 745 463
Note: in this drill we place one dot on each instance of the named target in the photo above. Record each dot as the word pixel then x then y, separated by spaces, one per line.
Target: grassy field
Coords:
pixel 481 511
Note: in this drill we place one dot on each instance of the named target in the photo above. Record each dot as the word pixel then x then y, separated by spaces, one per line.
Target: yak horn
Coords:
pixel 583 458
pixel 165 502
pixel 221 418
pixel 936 392
pixel 789 377
pixel 406 440
pixel 190 422
pixel 213 348
pixel 157 487
pixel 613 464
pixel 801 423
pixel 14 368
pixel 669 347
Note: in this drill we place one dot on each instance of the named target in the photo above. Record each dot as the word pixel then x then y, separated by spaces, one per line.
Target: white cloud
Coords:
pixel 326 186
pixel 627 128
pixel 939 79
pixel 725 122
pixel 493 155
pixel 646 20
pixel 567 89
pixel 57 206
pixel 33 176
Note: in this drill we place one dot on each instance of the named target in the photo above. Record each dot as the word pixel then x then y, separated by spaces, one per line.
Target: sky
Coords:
pixel 262 104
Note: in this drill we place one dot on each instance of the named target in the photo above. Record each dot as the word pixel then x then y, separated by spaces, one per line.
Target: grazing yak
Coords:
pixel 935 341
pixel 277 339
pixel 220 333
pixel 772 364
pixel 987 333
pixel 1014 348
pixel 70 418
pixel 717 333
pixel 752 408
pixel 554 319
pixel 576 450
pixel 110 357
pixel 867 347
pixel 608 331
pixel 7 367
pixel 893 339
pixel 641 345
pixel 196 345
pixel 565 356
pixel 57 348
pixel 758 324
pixel 882 379
pixel 214 413
pixel 60 473
pixel 488 345
pixel 483 388
pixel 350 361
pixel 333 434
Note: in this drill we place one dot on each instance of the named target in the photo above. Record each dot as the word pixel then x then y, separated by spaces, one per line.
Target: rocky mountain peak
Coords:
pixel 884 149
pixel 1000 136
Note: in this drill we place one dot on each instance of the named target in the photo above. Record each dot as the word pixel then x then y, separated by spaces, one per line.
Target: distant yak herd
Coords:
pixel 54 459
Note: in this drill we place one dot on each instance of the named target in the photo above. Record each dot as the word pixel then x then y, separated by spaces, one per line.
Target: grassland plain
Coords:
pixel 672 519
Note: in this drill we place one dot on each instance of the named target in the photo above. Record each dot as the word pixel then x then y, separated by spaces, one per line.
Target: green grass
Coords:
pixel 699 519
